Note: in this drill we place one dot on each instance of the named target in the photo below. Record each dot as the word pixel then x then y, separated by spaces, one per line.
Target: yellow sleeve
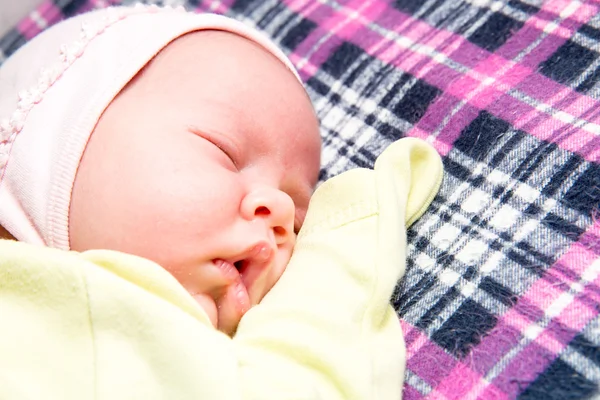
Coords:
pixel 326 330
pixel 105 325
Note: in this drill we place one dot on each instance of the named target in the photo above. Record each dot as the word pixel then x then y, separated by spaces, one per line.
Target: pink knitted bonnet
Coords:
pixel 53 91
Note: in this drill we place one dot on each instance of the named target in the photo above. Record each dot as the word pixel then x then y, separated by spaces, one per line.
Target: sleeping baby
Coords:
pixel 156 169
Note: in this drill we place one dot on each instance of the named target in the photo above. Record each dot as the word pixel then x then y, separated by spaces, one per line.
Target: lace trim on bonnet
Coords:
pixel 11 126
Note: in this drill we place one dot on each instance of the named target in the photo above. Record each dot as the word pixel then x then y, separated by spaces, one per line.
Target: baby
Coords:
pixel 203 163
pixel 186 143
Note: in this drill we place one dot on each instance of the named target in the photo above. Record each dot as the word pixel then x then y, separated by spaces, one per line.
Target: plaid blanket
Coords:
pixel 502 292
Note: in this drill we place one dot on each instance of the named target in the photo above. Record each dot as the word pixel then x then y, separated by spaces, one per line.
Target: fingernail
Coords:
pixel 242 296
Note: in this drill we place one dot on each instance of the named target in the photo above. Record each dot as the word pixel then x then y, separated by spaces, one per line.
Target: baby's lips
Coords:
pixel 260 253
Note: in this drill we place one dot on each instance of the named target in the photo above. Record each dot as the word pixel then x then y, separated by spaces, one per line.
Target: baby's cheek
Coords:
pixel 281 262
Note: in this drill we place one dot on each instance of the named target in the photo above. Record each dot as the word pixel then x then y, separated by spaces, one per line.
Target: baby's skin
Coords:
pixel 204 164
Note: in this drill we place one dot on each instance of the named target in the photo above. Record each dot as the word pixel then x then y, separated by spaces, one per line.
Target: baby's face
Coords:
pixel 204 164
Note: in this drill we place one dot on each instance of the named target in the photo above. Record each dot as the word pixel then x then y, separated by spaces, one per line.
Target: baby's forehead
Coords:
pixel 215 59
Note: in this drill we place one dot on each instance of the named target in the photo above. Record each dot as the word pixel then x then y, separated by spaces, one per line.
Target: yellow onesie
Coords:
pixel 106 325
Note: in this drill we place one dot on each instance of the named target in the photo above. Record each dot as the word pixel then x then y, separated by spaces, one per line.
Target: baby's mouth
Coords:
pixel 253 266
pixel 246 268
pixel 238 265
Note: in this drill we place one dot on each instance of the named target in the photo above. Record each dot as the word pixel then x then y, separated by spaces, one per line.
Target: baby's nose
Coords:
pixel 273 206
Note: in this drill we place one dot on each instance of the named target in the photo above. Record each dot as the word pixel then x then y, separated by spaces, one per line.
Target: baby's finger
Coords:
pixel 231 307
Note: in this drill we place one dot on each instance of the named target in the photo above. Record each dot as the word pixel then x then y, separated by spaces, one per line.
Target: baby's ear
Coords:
pixel 420 168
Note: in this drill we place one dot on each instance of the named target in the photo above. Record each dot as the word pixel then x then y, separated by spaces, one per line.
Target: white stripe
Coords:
pixel 38 19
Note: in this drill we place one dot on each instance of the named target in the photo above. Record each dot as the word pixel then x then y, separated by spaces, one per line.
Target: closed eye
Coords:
pixel 218 143
pixel 224 151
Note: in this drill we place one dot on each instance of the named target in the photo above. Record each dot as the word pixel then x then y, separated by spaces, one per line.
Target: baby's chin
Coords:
pixel 209 306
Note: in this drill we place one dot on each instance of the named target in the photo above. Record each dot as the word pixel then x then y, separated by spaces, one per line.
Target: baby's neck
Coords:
pixel 4 234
